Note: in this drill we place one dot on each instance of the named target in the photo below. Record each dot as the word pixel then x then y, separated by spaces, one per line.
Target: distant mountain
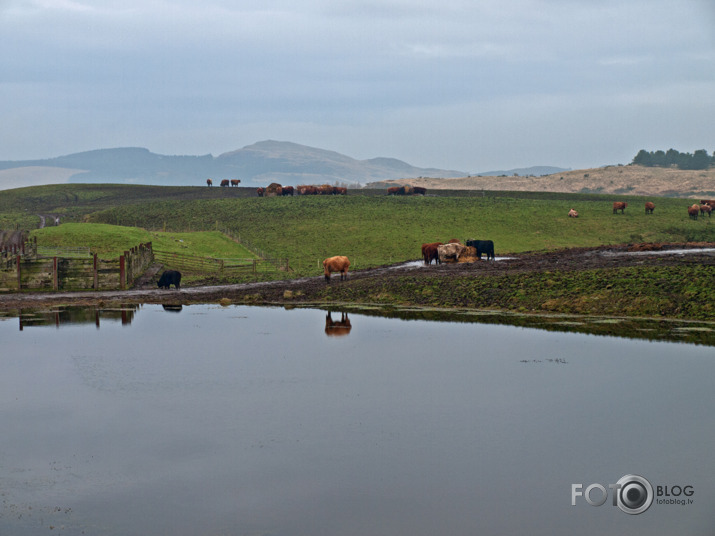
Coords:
pixel 255 165
pixel 536 171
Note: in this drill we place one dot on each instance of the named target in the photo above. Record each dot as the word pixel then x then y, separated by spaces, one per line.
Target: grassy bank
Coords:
pixel 674 292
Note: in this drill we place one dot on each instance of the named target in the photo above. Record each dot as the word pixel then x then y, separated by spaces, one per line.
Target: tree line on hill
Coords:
pixel 700 159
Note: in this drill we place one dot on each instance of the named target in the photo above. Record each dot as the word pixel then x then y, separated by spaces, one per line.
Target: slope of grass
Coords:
pixel 110 241
pixel 380 230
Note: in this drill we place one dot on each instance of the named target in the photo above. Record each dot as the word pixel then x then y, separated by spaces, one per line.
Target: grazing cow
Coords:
pixel 430 253
pixel 705 209
pixel 573 214
pixel 225 182
pixel 449 251
pixel 209 182
pixel 235 182
pixel 393 190
pixel 619 205
pixel 337 328
pixel 260 192
pixel 168 278
pixel 287 190
pixel 710 202
pixel 340 190
pixel 418 190
pixel 273 190
pixel 483 246
pixel 307 190
pixel 649 207
pixel 693 212
pixel 336 264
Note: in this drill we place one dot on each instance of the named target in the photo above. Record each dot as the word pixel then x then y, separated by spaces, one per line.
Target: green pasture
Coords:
pixel 368 226
pixel 377 230
pixel 110 241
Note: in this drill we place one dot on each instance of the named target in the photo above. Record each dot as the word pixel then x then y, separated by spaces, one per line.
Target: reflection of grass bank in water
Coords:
pixel 626 327
pixel 679 292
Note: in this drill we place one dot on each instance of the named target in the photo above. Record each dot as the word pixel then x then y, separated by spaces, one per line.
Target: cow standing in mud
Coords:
pixel 430 253
pixel 168 278
pixel 336 264
pixel 450 251
pixel 483 246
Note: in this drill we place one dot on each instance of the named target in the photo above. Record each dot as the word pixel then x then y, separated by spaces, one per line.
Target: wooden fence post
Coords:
pixel 95 285
pixel 122 273
pixel 55 277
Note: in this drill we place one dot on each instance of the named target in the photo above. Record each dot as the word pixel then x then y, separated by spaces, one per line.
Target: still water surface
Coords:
pixel 259 421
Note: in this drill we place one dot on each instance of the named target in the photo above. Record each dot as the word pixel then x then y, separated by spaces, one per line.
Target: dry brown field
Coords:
pixel 618 180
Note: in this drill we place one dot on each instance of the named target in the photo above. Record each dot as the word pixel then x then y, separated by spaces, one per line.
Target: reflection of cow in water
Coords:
pixel 335 328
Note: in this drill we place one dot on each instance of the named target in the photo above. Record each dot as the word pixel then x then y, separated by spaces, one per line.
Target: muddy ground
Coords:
pixel 311 289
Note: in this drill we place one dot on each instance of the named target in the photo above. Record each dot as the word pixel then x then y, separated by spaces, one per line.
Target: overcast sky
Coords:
pixel 473 85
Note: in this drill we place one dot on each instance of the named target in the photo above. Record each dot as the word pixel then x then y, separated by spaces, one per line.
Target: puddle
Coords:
pixel 421 264
pixel 660 252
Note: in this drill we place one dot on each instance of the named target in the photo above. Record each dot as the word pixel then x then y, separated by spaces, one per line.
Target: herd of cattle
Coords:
pixel 453 250
pixel 224 182
pixel 705 207
pixel 274 189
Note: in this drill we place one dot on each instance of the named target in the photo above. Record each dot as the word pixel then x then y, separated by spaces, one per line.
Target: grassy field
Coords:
pixel 367 226
pixel 374 231
pixel 110 241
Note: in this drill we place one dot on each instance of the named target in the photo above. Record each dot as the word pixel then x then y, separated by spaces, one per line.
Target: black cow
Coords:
pixel 168 278
pixel 483 246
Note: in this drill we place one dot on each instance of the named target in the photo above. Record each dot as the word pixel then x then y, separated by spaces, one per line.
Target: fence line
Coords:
pixel 204 264
pixel 278 263
pixel 72 273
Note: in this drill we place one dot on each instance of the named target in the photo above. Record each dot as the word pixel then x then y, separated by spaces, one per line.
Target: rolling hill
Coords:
pixel 255 165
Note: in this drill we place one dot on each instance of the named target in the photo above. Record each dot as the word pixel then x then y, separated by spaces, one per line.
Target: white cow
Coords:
pixel 448 251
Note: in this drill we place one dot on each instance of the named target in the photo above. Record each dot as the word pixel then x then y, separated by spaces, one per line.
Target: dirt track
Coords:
pixel 309 288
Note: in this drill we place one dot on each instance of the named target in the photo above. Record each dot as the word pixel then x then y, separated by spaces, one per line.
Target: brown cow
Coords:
pixel 209 182
pixel 340 190
pixel 429 252
pixel 693 212
pixel 224 182
pixel 393 190
pixel 273 189
pixel 235 182
pixel 336 264
pixel 573 214
pixel 419 190
pixel 649 207
pixel 454 241
pixel 337 328
pixel 619 205
pixel 287 190
pixel 710 202
pixel 705 209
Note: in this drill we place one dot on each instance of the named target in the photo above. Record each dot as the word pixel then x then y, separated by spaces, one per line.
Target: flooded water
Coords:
pixel 266 421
